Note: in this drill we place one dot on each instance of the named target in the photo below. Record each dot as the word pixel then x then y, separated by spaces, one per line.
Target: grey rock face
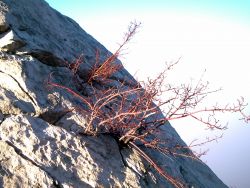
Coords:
pixel 70 161
pixel 40 140
pixel 4 26
pixel 16 171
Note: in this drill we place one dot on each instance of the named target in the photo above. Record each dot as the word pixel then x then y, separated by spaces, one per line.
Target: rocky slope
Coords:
pixel 39 141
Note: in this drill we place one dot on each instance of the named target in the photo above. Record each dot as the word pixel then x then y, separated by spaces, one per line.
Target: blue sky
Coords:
pixel 212 35
pixel 229 7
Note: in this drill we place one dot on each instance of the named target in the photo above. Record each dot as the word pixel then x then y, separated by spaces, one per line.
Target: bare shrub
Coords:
pixel 102 71
pixel 133 114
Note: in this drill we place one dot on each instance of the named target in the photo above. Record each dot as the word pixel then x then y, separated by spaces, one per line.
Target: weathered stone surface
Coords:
pixel 4 26
pixel 71 161
pixel 24 89
pixel 16 171
pixel 39 128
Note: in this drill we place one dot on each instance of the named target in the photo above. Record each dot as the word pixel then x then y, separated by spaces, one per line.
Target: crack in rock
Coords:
pixel 126 163
pixel 122 157
pixel 20 86
pixel 56 182
pixel 1 118
pixel 52 117
pixel 47 58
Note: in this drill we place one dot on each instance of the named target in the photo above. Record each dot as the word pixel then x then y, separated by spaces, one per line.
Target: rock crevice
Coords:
pixel 20 86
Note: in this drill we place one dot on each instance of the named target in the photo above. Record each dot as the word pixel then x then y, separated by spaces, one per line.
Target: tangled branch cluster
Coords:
pixel 132 113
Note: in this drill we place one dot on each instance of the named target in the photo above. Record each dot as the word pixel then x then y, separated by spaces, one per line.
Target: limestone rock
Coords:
pixel 70 161
pixel 16 171
pixel 41 140
pixel 4 26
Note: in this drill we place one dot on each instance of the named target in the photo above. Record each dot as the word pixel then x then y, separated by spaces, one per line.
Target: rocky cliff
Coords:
pixel 40 144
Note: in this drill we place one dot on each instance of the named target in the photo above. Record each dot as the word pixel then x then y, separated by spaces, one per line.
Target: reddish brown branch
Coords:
pixel 132 114
pixel 172 180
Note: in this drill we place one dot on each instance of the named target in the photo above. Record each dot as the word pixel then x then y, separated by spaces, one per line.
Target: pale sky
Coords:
pixel 211 35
